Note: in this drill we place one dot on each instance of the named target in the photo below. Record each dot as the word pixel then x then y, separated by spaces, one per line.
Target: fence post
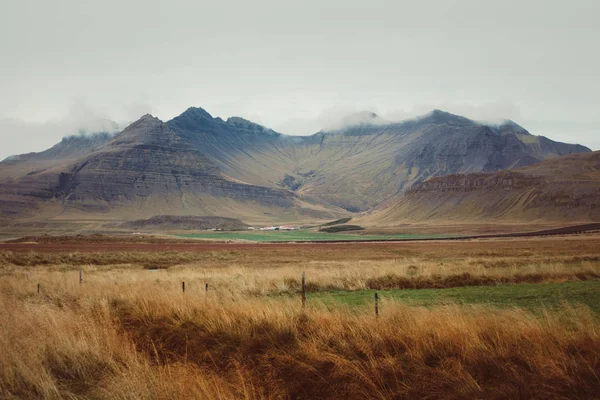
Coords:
pixel 38 288
pixel 376 305
pixel 303 290
pixel 206 291
pixel 183 287
pixel 80 276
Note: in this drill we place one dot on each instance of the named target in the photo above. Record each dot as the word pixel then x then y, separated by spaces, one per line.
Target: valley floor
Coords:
pixel 481 318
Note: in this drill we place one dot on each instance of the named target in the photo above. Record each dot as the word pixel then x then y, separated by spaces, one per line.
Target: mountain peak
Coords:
pixel 193 118
pixel 148 117
pixel 239 121
pixel 443 117
pixel 247 125
pixel 508 126
pixel 195 113
pixel 242 122
pixel 143 130
pixel 145 120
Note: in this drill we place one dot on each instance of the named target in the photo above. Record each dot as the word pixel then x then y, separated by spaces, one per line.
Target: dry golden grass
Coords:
pixel 144 344
pixel 236 273
pixel 129 333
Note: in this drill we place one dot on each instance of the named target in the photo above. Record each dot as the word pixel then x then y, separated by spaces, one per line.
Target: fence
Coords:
pixel 183 288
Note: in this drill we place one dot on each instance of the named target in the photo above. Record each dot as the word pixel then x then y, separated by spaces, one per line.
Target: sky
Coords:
pixel 72 66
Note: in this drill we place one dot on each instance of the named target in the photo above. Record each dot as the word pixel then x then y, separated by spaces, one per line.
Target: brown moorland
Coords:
pixel 128 331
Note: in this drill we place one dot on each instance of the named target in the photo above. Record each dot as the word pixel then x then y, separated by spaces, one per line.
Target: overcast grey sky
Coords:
pixel 294 66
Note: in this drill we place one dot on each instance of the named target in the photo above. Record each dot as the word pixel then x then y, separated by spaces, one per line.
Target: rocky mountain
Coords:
pixel 368 162
pixel 564 189
pixel 149 169
pixel 69 147
pixel 198 164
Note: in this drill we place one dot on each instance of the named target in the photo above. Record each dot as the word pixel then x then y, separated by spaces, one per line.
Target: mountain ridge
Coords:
pixel 562 189
pixel 198 162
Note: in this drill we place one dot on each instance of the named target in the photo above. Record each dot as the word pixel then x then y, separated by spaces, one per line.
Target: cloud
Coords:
pixel 487 112
pixel 84 120
pixel 583 131
pixel 19 136
pixel 339 117
pixel 354 119
pixel 333 118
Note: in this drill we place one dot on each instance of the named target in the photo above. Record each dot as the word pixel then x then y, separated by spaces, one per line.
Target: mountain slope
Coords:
pixel 399 155
pixel 148 169
pixel 563 189
pixel 68 149
pixel 365 164
pixel 198 164
pixel 245 151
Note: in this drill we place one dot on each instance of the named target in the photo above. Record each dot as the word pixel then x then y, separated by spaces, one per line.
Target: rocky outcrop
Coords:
pixel 179 222
pixel 474 182
pixel 564 189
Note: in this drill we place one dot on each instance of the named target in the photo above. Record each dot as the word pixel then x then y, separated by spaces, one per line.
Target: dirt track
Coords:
pixel 206 246
pixel 198 247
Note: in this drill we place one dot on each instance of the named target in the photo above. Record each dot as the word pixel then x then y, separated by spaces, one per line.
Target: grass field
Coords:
pixel 302 235
pixel 531 297
pixel 493 319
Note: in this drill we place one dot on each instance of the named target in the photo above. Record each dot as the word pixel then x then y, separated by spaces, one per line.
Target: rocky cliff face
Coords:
pixel 148 159
pixel 149 168
pixel 563 189
pixel 505 180
pixel 362 166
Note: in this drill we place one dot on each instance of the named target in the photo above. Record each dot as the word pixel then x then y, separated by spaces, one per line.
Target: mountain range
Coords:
pixel 196 164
